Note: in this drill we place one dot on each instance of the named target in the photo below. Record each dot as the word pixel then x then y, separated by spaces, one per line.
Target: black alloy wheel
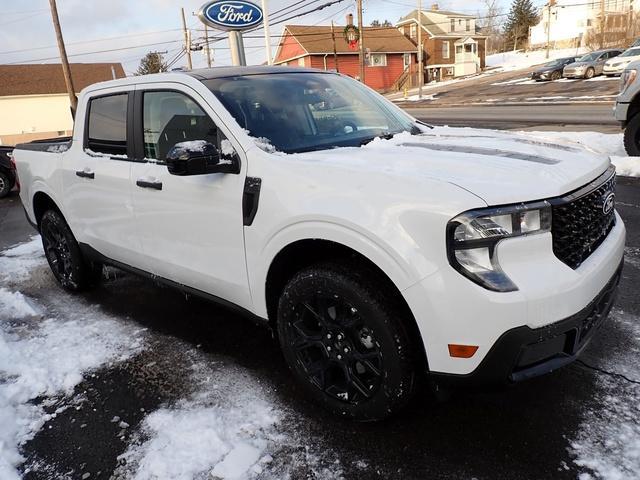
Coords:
pixel 344 343
pixel 64 256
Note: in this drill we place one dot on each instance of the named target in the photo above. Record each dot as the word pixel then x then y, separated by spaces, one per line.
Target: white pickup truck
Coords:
pixel 376 247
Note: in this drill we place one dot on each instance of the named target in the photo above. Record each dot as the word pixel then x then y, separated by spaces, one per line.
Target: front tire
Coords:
pixel 556 76
pixel 632 137
pixel 6 184
pixel 590 73
pixel 72 271
pixel 346 343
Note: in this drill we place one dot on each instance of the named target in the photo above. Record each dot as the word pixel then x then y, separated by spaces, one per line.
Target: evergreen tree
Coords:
pixel 378 23
pixel 152 62
pixel 522 16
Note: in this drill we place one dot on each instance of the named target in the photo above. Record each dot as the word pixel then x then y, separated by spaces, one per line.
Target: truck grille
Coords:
pixel 582 220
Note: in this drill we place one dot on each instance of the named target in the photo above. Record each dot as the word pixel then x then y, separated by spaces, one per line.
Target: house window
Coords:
pixel 468 25
pixel 453 24
pixel 459 49
pixel 446 49
pixel 413 31
pixel 378 60
pixel 301 62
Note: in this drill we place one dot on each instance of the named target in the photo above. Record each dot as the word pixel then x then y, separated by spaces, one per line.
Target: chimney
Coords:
pixel 435 7
pixel 350 19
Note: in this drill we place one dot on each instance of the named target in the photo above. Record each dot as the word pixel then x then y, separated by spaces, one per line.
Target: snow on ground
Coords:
pixel 230 428
pixel 608 442
pixel 528 81
pixel 510 61
pixel 44 356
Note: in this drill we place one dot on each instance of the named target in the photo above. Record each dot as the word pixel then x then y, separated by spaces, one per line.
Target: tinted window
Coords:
pixel 170 118
pixel 108 125
pixel 308 111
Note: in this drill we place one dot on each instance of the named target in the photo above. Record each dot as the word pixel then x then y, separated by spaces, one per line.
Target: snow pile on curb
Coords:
pixel 608 443
pixel 45 358
pixel 17 263
pixel 510 61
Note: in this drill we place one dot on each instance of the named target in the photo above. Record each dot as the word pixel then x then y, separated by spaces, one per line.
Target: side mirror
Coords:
pixel 199 157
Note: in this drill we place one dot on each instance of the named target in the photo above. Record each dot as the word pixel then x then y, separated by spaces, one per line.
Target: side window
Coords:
pixel 107 126
pixel 170 118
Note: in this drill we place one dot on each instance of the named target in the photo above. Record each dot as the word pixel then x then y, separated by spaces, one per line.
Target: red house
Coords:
pixel 389 54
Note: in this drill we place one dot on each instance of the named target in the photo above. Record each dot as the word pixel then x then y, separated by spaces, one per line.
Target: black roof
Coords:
pixel 225 72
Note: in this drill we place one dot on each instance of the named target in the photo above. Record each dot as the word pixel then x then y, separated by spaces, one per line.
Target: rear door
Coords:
pixel 97 178
pixel 191 227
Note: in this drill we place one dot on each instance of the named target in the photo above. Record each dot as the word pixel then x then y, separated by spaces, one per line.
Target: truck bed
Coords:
pixel 50 145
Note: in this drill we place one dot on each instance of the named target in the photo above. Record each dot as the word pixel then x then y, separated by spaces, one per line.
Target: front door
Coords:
pixel 191 227
pixel 97 180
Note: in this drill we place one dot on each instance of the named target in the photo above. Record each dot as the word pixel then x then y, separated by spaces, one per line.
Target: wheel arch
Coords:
pixel 41 203
pixel 303 253
pixel 634 107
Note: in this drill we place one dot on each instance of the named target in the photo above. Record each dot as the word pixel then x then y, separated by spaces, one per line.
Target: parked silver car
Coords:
pixel 590 65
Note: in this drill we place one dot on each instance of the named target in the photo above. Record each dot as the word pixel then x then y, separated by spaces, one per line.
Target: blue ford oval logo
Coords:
pixel 231 15
pixel 609 203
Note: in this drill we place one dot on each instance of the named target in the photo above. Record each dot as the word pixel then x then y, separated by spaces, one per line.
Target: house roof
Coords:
pixel 43 79
pixel 317 39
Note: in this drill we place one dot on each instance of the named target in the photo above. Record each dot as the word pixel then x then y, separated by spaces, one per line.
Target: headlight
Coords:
pixel 627 78
pixel 472 238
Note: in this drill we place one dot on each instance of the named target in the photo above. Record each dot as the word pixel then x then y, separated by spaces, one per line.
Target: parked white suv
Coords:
pixel 376 247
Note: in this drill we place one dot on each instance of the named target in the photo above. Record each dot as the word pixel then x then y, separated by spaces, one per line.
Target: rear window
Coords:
pixel 107 125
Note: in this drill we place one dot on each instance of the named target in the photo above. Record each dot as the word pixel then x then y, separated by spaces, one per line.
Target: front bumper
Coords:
pixel 613 70
pixel 523 353
pixel 574 73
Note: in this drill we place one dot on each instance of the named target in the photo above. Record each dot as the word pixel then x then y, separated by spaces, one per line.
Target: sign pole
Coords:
pixel 207 46
pixel 335 51
pixel 361 30
pixel 66 70
pixel 267 32
pixel 236 43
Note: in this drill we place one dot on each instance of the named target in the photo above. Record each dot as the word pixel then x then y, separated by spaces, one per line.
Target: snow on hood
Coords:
pixel 499 167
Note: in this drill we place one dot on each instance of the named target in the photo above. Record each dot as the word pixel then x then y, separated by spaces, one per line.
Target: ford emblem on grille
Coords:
pixel 609 203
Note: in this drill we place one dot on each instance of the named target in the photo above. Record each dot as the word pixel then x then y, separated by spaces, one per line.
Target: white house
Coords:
pixel 34 102
pixel 570 21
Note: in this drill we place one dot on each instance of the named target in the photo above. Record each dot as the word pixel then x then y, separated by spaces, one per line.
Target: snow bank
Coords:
pixel 608 441
pixel 509 61
pixel 45 358
pixel 628 166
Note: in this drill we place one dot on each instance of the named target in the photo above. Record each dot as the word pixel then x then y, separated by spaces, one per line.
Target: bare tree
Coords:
pixel 490 21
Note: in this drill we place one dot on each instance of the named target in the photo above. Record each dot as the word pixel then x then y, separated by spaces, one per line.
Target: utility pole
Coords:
pixel 632 21
pixel 548 28
pixel 335 50
pixel 73 100
pixel 602 24
pixel 420 52
pixel 361 30
pixel 206 45
pixel 267 32
pixel 187 40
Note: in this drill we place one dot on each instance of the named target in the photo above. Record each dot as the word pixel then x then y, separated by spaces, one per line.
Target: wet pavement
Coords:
pixel 523 432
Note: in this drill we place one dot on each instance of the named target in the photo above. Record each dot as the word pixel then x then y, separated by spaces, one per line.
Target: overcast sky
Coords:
pixel 27 36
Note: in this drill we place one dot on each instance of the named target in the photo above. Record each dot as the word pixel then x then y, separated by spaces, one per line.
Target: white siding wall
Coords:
pixel 35 113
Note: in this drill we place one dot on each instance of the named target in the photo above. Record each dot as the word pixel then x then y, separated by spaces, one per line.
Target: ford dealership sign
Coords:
pixel 230 15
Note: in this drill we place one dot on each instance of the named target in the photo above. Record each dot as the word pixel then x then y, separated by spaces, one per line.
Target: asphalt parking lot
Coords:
pixel 548 428
pixel 515 88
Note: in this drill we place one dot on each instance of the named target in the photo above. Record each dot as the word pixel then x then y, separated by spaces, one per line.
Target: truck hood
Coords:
pixel 498 167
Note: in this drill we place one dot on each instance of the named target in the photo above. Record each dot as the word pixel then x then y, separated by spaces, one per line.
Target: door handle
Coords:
pixel 149 184
pixel 86 173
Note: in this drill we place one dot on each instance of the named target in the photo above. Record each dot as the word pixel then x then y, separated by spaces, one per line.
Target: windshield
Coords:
pixel 556 63
pixel 298 112
pixel 590 57
pixel 634 52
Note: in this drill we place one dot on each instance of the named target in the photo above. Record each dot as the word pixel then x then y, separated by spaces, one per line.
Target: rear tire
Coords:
pixel 346 342
pixel 6 184
pixel 72 271
pixel 632 137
